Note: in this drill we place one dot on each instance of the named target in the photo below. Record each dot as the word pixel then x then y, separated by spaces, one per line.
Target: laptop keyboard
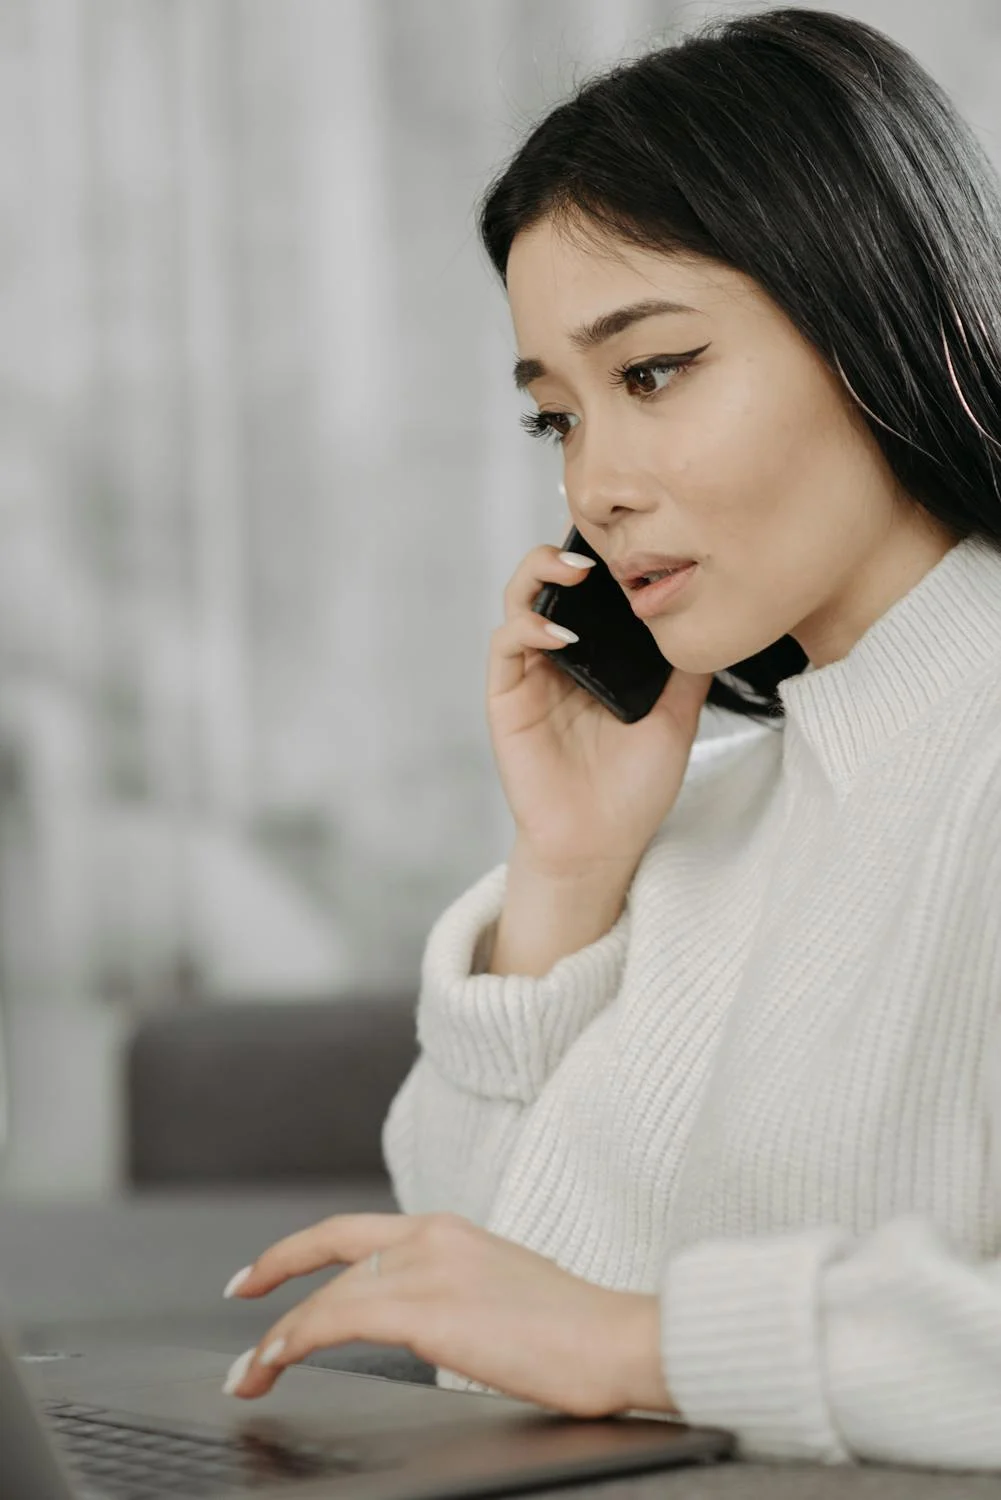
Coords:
pixel 118 1457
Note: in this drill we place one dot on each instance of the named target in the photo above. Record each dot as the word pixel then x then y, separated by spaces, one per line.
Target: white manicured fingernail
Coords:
pixel 561 632
pixel 235 1282
pixel 237 1370
pixel 272 1352
pixel 577 559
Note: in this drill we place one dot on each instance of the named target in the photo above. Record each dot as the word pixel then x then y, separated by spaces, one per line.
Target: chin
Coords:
pixel 696 658
pixel 702 655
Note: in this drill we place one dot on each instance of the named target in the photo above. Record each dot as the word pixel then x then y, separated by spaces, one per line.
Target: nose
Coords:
pixel 603 473
pixel 598 493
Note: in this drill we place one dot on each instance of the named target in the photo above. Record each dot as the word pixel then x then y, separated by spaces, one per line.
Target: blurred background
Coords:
pixel 261 487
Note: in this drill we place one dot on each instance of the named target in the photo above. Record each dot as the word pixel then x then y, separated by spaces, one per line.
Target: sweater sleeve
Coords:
pixel 488 1043
pixel 823 1346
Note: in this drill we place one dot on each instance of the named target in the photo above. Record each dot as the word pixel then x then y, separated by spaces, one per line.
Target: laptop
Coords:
pixel 151 1424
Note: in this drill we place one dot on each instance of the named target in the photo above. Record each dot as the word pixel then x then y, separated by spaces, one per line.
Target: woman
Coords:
pixel 706 1118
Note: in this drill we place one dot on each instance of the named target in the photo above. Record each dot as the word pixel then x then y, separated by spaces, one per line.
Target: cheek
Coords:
pixel 754 459
pixel 727 478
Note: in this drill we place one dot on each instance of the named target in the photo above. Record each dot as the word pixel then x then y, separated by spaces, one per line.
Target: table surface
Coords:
pixel 150 1269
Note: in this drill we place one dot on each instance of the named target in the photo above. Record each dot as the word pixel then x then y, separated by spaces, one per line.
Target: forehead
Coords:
pixel 558 278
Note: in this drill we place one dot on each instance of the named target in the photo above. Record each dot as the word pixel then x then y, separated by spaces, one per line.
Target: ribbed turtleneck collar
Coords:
pixel 943 630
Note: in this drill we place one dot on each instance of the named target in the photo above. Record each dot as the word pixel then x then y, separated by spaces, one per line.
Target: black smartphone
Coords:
pixel 616 658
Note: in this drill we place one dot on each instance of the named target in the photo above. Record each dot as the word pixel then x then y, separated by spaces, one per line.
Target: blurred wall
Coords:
pixel 261 487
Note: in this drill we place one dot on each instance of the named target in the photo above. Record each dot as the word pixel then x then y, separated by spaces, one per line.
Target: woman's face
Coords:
pixel 752 460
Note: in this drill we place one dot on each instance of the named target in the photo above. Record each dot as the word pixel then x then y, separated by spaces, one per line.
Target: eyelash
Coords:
pixel 538 424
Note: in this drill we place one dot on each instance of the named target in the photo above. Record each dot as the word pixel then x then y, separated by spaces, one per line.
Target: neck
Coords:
pixel 909 550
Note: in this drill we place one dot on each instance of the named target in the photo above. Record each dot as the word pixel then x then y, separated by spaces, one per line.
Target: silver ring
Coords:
pixel 373 1261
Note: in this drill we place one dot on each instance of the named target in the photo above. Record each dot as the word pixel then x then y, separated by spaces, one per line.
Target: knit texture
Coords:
pixel 771 1093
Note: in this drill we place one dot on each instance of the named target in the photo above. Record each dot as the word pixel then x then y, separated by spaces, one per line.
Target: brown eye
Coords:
pixel 648 379
pixel 651 376
pixel 544 424
pixel 643 376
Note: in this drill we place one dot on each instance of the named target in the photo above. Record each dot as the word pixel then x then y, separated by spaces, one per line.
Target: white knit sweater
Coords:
pixel 771 1093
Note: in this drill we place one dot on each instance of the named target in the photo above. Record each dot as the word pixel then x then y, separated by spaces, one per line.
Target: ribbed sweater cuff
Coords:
pixel 502 1035
pixel 741 1342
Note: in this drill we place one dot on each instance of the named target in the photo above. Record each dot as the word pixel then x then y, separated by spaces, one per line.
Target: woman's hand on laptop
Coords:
pixel 458 1296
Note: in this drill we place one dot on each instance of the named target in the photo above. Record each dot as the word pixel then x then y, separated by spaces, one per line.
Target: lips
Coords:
pixel 638 568
pixel 653 599
pixel 645 580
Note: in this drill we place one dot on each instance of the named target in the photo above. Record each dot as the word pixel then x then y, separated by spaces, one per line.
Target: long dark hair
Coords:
pixel 815 155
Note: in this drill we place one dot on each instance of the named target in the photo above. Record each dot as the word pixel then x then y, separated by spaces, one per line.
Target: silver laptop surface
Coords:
pixel 151 1424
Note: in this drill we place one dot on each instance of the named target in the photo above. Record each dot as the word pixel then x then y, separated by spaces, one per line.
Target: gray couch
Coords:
pixel 255 1093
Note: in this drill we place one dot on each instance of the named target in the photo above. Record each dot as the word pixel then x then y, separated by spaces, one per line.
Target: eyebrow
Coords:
pixel 604 327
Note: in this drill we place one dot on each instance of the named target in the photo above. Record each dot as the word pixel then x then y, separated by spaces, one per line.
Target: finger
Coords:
pixel 512 646
pixel 340 1240
pixel 541 565
pixel 356 1306
pixel 524 633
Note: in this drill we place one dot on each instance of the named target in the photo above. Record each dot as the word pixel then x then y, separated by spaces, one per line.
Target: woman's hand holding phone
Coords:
pixel 587 791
